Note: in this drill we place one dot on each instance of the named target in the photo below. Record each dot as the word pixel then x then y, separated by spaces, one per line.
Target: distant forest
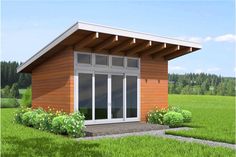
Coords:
pixel 201 84
pixel 9 75
pixel 197 84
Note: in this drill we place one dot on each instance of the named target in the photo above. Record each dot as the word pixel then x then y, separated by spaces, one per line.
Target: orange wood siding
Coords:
pixel 154 84
pixel 53 82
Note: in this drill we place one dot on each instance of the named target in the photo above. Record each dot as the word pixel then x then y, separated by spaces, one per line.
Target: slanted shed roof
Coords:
pixel 109 40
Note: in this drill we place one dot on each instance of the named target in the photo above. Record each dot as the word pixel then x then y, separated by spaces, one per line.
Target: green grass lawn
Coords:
pixel 18 140
pixel 213 116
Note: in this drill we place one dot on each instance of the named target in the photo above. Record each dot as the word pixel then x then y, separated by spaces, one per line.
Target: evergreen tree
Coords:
pixel 15 91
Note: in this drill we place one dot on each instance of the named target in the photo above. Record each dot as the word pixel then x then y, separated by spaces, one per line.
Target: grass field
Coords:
pixel 18 140
pixel 213 116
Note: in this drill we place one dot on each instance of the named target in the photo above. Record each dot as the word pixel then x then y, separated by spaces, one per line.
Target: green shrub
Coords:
pixel 34 119
pixel 15 91
pixel 5 92
pixel 26 100
pixel 173 119
pixel 58 124
pixel 19 114
pixel 187 115
pixel 175 109
pixel 26 118
pixel 9 103
pixel 74 124
pixel 156 116
pixel 45 121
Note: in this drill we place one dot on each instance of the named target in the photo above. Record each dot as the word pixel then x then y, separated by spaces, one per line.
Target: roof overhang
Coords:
pixel 104 39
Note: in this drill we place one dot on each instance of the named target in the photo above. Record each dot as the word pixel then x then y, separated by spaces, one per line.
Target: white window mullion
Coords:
pixel 124 98
pixel 93 97
pixel 138 98
pixel 109 97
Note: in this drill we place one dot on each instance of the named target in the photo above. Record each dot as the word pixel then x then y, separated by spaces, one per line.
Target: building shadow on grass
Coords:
pixel 48 147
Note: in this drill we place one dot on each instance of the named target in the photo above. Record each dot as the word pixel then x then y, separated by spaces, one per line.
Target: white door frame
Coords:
pixel 109 70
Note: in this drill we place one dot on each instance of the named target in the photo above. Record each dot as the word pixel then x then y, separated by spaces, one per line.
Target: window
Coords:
pixel 101 60
pixel 85 95
pixel 84 58
pixel 101 94
pixel 131 96
pixel 132 63
pixel 117 61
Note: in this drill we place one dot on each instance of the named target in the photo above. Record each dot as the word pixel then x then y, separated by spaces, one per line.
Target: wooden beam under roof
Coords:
pixel 86 40
pixel 178 53
pixel 123 45
pixel 106 43
pixel 166 51
pixel 152 50
pixel 139 48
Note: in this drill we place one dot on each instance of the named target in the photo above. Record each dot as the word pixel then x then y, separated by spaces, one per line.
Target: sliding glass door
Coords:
pixel 117 96
pixel 101 96
pixel 85 95
pixel 131 96
pixel 105 97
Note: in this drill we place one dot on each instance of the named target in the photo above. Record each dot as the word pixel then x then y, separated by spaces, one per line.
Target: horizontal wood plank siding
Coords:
pixel 53 82
pixel 154 85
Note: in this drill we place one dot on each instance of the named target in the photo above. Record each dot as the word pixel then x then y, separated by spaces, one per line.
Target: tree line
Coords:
pixel 9 76
pixel 201 84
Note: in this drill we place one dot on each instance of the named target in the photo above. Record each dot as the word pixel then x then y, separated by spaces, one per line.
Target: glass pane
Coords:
pixel 116 61
pixel 85 95
pixel 101 60
pixel 132 63
pixel 100 96
pixel 131 96
pixel 117 96
pixel 84 58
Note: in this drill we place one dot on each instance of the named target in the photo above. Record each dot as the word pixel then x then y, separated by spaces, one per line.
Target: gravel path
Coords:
pixel 161 133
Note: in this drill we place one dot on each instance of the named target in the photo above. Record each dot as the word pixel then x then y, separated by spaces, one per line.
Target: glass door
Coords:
pixel 131 97
pixel 85 95
pixel 105 97
pixel 101 96
pixel 117 96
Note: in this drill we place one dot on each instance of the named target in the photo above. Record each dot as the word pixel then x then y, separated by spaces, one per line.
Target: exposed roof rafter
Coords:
pixel 153 49
pixel 88 39
pixel 178 53
pixel 166 51
pixel 123 45
pixel 106 43
pixel 139 48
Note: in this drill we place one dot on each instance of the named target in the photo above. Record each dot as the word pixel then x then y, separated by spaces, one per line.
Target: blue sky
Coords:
pixel 27 26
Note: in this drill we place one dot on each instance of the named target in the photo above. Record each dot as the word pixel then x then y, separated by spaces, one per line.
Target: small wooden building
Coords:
pixel 111 75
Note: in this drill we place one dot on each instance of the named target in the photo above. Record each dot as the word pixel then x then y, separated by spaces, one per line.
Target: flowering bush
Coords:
pixel 57 122
pixel 26 118
pixel 156 116
pixel 173 116
pixel 19 114
pixel 45 121
pixel 34 117
pixel 74 124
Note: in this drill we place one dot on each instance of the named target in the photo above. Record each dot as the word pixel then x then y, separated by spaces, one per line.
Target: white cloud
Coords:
pixel 179 68
pixel 214 69
pixel 198 71
pixel 226 38
pixel 222 38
